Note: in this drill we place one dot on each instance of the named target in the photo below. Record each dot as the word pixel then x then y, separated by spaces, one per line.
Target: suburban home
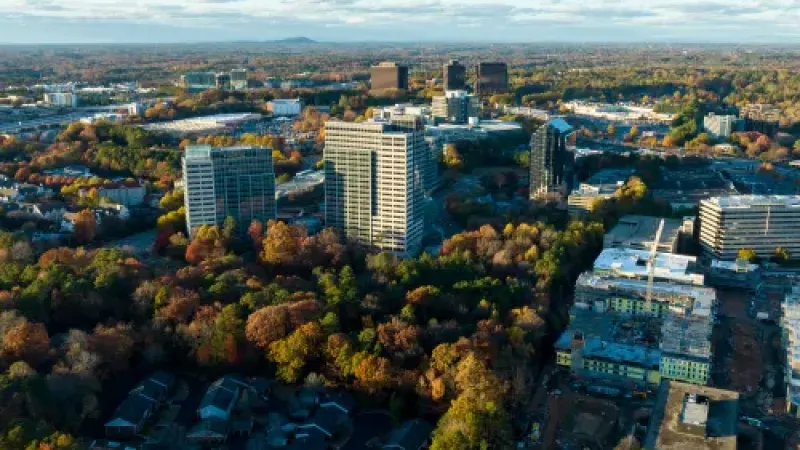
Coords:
pixel 140 404
pixel 52 212
pixel 211 431
pixel 308 441
pixel 333 413
pixel 411 435
pixel 130 417
pixel 221 397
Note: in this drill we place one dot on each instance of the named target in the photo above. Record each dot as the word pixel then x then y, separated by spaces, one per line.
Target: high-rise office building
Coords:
pixel 455 76
pixel 758 222
pixel 762 118
pixel 239 79
pixel 455 106
pixel 491 78
pixel 430 168
pixel 389 75
pixel 551 160
pixel 374 181
pixel 199 80
pixel 719 127
pixel 237 182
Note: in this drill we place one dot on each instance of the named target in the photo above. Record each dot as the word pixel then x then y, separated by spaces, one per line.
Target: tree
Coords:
pixel 668 142
pixel 267 325
pixel 27 342
pixel 611 130
pixel 293 353
pixel 452 158
pixel 781 254
pixel 747 254
pixel 282 243
pixel 85 227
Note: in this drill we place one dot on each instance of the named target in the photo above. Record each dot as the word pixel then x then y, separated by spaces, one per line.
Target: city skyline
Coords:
pixel 173 21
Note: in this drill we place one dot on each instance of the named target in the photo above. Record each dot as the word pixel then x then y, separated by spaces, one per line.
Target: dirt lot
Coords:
pixel 747 365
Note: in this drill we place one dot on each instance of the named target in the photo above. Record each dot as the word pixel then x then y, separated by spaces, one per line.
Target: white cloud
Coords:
pixel 700 18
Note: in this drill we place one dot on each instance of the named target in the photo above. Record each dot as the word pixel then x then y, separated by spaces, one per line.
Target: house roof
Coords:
pixel 163 378
pixel 219 397
pixel 327 420
pixel 133 410
pixel 311 441
pixel 341 399
pixel 150 389
pixel 411 435
pixel 211 427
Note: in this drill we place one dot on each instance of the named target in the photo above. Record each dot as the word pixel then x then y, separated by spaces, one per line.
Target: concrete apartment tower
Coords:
pixel 236 182
pixel 551 160
pixel 374 182
pixel 455 106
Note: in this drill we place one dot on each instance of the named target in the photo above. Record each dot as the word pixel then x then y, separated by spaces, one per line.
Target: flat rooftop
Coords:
pixel 594 347
pixel 695 417
pixel 633 263
pixel 640 231
pixel 750 201
pixel 701 297
pixel 610 176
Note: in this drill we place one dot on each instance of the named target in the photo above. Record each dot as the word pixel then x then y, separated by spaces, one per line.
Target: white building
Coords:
pixel 719 127
pixel 285 106
pixel 65 99
pixel 636 264
pixel 455 106
pixel 374 188
pixel 790 322
pixel 758 222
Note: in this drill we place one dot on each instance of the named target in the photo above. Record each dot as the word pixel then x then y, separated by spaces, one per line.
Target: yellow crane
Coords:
pixel 651 266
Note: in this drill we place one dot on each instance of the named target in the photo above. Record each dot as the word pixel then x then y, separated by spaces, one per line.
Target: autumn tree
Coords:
pixel 267 325
pixel 746 254
pixel 293 353
pixel 282 243
pixel 27 342
pixel 85 226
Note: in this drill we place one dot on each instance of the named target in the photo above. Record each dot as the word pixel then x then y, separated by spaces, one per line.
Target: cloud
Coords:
pixel 434 19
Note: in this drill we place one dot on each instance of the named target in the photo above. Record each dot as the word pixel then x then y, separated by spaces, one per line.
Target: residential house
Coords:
pixel 131 415
pixel 210 431
pixel 51 212
pixel 308 441
pixel 221 398
pixel 411 435
pixel 333 413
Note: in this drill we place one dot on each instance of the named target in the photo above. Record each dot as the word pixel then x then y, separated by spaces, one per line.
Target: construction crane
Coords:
pixel 651 266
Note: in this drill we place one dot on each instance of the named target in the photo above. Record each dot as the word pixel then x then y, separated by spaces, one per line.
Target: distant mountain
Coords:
pixel 295 40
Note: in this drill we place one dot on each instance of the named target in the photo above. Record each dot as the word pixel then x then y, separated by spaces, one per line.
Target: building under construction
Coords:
pixel 640 317
pixel 790 322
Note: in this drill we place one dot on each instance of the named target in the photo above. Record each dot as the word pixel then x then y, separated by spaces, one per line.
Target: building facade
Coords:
pixel 285 107
pixel 388 75
pixel 199 80
pixel 455 76
pixel 455 106
pixel 762 118
pixel 491 78
pixel 374 186
pixel 237 182
pixel 66 99
pixel 551 161
pixel 719 127
pixel 759 222
pixel 239 79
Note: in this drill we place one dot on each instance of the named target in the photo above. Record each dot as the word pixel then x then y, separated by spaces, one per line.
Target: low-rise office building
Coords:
pixel 638 264
pixel 587 197
pixel 639 232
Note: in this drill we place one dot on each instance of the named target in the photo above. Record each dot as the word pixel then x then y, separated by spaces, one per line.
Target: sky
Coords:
pixel 168 21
